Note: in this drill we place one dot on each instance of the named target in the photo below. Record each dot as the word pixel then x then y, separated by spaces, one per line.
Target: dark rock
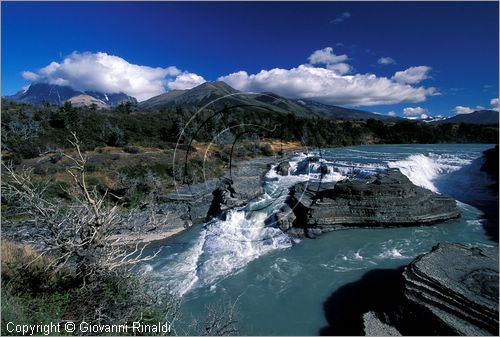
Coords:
pixel 458 285
pixel 387 199
pixel 282 168
pixel 212 198
pixel 490 165
pixel 282 219
pixel 452 290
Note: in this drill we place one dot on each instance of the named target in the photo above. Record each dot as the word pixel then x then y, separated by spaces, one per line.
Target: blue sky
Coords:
pixel 452 47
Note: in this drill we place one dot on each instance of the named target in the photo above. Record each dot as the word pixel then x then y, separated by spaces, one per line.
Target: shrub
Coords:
pixel 266 150
pixel 131 149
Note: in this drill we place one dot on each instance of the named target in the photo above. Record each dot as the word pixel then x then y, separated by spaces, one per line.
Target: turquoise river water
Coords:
pixel 279 284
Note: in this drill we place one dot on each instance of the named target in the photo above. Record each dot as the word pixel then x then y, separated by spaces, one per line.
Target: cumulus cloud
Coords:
pixel 112 74
pixel 462 110
pixel 341 18
pixel 424 116
pixel 30 76
pixel 391 113
pixel 494 103
pixel 186 81
pixel 326 56
pixel 409 111
pixel 386 60
pixel 328 84
pixel 340 68
pixel 412 75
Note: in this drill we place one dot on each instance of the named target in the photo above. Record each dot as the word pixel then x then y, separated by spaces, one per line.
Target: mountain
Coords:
pixel 111 99
pixel 337 112
pixel 86 100
pixel 38 93
pixel 220 94
pixel 162 99
pixel 476 117
pixel 195 97
pixel 432 119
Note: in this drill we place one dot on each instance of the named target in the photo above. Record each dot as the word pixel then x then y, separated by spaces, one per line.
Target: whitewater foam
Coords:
pixel 223 248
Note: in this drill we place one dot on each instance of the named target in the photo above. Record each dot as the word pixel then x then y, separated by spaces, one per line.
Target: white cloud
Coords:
pixel 341 18
pixel 326 56
pixel 111 74
pixel 462 110
pixel 391 113
pixel 329 84
pixel 494 103
pixel 424 116
pixel 412 75
pixel 340 68
pixel 409 111
pixel 186 81
pixel 386 60
pixel 30 76
pixel 325 85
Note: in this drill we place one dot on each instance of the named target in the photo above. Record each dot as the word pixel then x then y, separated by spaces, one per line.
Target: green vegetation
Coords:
pixel 29 130
pixel 138 153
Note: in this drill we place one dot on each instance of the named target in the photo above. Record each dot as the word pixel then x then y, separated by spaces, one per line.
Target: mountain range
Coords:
pixel 218 95
pixel 38 93
pixel 476 117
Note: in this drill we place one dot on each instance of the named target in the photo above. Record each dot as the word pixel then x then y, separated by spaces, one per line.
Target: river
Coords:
pixel 279 283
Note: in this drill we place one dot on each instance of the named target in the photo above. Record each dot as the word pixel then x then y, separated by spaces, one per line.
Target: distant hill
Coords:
pixel 86 100
pixel 38 93
pixel 217 94
pixel 337 112
pixel 477 117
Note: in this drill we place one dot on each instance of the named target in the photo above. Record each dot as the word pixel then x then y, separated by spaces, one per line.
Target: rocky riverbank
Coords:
pixel 458 285
pixel 177 211
pixel 383 200
pixel 452 290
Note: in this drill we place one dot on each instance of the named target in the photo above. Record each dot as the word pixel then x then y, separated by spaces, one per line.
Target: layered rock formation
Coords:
pixel 451 290
pixel 386 199
pixel 458 285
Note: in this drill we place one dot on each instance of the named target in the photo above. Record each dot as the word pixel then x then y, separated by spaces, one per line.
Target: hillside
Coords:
pixel 484 117
pixel 337 112
pixel 219 95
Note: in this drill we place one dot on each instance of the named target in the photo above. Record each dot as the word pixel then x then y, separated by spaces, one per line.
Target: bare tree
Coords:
pixel 81 238
pixel 80 235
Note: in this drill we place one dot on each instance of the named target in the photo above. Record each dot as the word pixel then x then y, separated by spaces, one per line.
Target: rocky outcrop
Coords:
pixel 458 285
pixel 452 290
pixel 282 168
pixel 386 199
pixel 283 218
pixel 373 326
pixel 176 211
pixel 490 164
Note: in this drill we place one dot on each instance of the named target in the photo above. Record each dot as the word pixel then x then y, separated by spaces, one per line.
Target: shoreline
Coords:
pixel 259 165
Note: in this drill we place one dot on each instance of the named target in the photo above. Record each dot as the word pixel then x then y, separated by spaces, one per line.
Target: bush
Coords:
pixel 266 150
pixel 131 149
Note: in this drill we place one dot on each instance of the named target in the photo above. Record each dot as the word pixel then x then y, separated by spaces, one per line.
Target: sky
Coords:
pixel 408 59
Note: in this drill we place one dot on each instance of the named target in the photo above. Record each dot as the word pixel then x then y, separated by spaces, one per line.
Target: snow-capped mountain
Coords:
pixel 38 93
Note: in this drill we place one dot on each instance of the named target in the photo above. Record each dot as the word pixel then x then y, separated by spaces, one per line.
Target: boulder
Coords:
pixel 282 219
pixel 386 199
pixel 373 326
pixel 458 285
pixel 282 168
